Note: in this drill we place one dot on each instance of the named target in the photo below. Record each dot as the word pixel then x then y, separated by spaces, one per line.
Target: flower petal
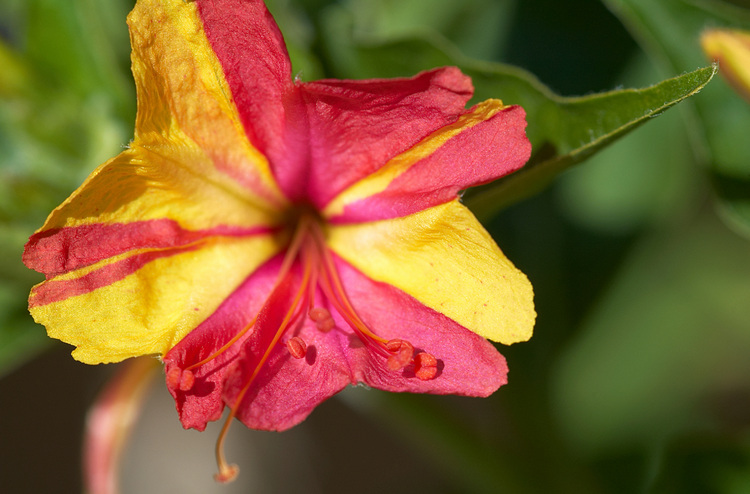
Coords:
pixel 468 364
pixel 482 145
pixel 445 259
pixel 145 301
pixel 731 48
pixel 357 126
pixel 203 402
pixel 140 199
pixel 253 58
pixel 288 389
pixel 184 100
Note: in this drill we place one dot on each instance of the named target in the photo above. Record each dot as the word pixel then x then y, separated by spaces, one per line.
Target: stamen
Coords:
pixel 173 377
pixel 425 366
pixel 229 472
pixel 399 353
pixel 286 264
pixel 325 325
pixel 402 352
pixel 297 347
pixel 319 314
pixel 323 320
pixel 225 347
pixel 187 380
pixel 179 378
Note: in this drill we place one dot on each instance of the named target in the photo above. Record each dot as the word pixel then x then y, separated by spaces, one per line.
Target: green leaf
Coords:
pixel 563 130
pixel 669 30
pixel 575 128
pixel 645 180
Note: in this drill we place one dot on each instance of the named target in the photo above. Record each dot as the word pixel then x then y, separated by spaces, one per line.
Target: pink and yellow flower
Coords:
pixel 273 240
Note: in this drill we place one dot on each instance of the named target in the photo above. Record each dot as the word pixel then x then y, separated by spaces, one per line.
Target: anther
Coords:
pixel 173 377
pixel 187 379
pixel 325 325
pixel 401 354
pixel 425 366
pixel 182 379
pixel 318 314
pixel 297 347
pixel 322 317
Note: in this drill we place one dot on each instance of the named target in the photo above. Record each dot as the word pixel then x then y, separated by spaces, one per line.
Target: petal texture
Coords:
pixel 144 301
pixel 203 402
pixel 445 259
pixel 185 102
pixel 253 58
pixel 355 127
pixel 288 389
pixel 486 143
pixel 140 184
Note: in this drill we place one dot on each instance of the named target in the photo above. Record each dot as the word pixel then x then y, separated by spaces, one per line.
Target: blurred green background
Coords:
pixel 637 379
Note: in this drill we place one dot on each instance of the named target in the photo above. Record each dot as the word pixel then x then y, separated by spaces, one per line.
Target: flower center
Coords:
pixel 307 247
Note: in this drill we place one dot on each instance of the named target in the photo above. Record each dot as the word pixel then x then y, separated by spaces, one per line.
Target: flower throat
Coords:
pixel 308 248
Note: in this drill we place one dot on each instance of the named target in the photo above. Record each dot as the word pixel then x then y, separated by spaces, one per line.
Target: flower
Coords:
pixel 273 240
pixel 731 48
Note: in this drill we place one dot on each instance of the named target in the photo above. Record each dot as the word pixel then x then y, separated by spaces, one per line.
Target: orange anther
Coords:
pixel 401 354
pixel 425 366
pixel 187 379
pixel 326 324
pixel 173 377
pixel 297 347
pixel 181 379
pixel 319 314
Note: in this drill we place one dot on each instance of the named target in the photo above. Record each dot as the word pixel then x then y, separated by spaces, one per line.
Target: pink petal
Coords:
pixel 482 153
pixel 355 127
pixel 256 66
pixel 110 421
pixel 287 389
pixel 203 402
pixel 468 364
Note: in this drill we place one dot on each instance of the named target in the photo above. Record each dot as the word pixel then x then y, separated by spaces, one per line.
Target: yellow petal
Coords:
pixel 150 310
pixel 184 99
pixel 140 184
pixel 445 259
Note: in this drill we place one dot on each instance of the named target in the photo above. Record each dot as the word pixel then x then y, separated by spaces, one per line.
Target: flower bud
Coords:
pixel 731 48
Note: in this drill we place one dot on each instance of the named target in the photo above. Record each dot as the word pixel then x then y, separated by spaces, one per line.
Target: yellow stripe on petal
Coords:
pixel 150 310
pixel 379 181
pixel 445 259
pixel 184 100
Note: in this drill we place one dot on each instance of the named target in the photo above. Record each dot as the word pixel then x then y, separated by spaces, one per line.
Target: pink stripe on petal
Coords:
pixel 57 290
pixel 487 151
pixel 61 250
pixel 287 389
pixel 203 402
pixel 251 50
pixel 357 126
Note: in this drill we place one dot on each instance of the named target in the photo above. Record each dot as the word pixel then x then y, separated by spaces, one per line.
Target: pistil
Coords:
pixel 308 249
